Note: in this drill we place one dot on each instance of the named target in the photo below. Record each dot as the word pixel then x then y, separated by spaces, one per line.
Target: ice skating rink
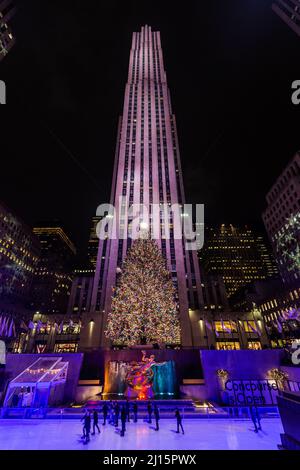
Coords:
pixel 200 434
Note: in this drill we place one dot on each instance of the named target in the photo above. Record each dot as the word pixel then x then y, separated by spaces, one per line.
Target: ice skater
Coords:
pixel 255 417
pixel 123 420
pixel 127 407
pixel 156 417
pixel 105 413
pixel 179 421
pixel 111 412
pixel 135 412
pixel 117 414
pixel 149 408
pixel 86 426
pixel 95 422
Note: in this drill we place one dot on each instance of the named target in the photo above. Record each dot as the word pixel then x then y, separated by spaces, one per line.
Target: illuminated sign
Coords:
pixel 250 392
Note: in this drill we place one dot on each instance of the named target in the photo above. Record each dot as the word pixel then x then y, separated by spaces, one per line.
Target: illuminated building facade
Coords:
pixel 282 221
pixel 289 12
pixel 93 243
pixel 147 171
pixel 53 276
pixel 81 291
pixel 19 255
pixel 238 254
pixel 7 39
pixel 281 217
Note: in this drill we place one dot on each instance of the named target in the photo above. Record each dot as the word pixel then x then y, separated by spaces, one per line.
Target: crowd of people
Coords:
pixel 113 412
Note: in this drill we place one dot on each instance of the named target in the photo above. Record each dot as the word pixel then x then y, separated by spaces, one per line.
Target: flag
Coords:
pixel 71 322
pixel 208 325
pixel 23 326
pixel 55 326
pixel 4 327
pixel 269 330
pixel 10 329
pixel 31 325
pixel 258 329
pixel 278 326
pixel 38 326
pixel 61 327
pixel 293 313
pixel 1 324
pixel 228 330
pixel 252 328
pixel 285 315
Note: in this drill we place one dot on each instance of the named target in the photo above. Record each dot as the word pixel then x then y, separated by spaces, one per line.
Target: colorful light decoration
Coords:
pixel 144 309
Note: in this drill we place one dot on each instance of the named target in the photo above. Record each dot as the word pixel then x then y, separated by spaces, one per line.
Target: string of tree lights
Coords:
pixel 144 307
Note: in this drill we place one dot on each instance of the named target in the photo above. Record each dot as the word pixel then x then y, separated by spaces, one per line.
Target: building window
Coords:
pixel 66 347
pixel 226 327
pixel 228 345
pixel 256 345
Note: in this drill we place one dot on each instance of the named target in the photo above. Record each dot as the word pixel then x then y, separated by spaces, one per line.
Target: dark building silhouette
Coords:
pixel 238 254
pixel 53 276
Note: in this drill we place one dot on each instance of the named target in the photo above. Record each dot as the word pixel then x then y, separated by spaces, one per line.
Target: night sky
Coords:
pixel 230 65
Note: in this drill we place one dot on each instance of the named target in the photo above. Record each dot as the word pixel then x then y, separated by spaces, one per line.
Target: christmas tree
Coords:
pixel 144 309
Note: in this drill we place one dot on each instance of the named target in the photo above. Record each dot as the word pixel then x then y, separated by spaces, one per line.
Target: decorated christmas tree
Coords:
pixel 144 308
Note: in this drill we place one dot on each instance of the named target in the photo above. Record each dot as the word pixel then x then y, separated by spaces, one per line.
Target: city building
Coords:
pixel 289 12
pixel 93 242
pixel 281 310
pixel 53 276
pixel 81 291
pixel 147 171
pixel 238 254
pixel 282 221
pixel 19 255
pixel 7 40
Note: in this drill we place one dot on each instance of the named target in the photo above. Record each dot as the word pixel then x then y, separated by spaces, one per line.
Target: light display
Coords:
pixel 288 243
pixel 144 309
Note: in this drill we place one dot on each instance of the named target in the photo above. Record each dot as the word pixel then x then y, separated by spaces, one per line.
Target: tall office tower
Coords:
pixel 289 12
pixel 7 39
pixel 19 254
pixel 238 254
pixel 282 221
pixel 93 243
pixel 147 171
pixel 53 276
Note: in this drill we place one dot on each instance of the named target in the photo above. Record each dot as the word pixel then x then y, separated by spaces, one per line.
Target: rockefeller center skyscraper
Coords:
pixel 147 171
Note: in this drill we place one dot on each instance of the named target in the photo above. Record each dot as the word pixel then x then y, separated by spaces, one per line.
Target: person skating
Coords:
pixel 255 417
pixel 156 417
pixel 95 422
pixel 135 411
pixel 149 407
pixel 127 407
pixel 83 419
pixel 179 421
pixel 117 414
pixel 123 420
pixel 86 426
pixel 112 413
pixel 105 412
